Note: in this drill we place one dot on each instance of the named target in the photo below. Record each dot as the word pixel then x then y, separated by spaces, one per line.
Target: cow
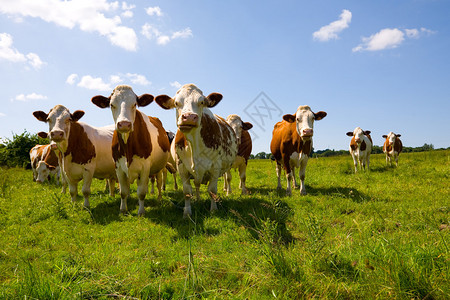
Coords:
pixel 35 157
pixel 140 145
pixel 205 144
pixel 171 164
pixel 392 147
pixel 85 149
pixel 49 165
pixel 292 144
pixel 244 144
pixel 360 147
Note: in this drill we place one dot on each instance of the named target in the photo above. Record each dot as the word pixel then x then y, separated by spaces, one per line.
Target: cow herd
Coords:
pixel 205 147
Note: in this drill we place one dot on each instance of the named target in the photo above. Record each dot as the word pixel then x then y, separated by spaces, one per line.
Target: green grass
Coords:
pixel 379 234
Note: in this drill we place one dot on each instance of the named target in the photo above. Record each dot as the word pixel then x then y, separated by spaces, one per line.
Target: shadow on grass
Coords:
pixel 344 192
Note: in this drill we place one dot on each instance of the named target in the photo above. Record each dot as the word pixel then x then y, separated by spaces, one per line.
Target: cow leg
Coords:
pixel 212 190
pixel 294 180
pixel 396 160
pixel 355 162
pixel 73 189
pixel 227 182
pixel 187 191
pixel 175 186
pixel 302 173
pixel 368 162
pixel 278 169
pixel 64 182
pixel 124 187
pixel 243 177
pixel 142 189
pixel 164 179
pixel 86 188
pixel 160 182
pixel 152 181
pixel 112 186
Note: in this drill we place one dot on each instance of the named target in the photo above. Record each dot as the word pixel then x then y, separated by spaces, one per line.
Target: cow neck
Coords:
pixel 79 145
pixel 137 142
pixel 245 146
pixel 301 145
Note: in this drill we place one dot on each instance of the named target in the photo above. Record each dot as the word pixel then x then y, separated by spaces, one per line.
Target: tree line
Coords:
pixel 15 152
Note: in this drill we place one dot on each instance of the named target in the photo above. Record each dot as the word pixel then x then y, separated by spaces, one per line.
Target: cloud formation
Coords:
pixel 9 53
pixel 175 84
pixel 152 11
pixel 98 84
pixel 331 30
pixel 389 38
pixel 89 16
pixel 29 97
pixel 152 33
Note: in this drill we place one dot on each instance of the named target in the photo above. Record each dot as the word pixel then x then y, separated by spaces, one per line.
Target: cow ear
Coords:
pixel 319 115
pixel 289 118
pixel 144 100
pixel 247 125
pixel 398 135
pixel 213 99
pixel 384 136
pixel 350 133
pixel 101 101
pixel 367 132
pixel 165 101
pixel 77 115
pixel 40 115
pixel 42 134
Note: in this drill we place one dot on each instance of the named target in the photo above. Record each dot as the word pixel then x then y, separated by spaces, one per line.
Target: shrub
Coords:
pixel 15 152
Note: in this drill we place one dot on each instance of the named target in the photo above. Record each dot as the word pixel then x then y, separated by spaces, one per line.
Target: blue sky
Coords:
pixel 380 65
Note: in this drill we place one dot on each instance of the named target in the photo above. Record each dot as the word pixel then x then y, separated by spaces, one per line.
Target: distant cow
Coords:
pixel 49 165
pixel 85 150
pixel 140 145
pixel 205 144
pixel 360 147
pixel 36 154
pixel 244 143
pixel 392 147
pixel 292 144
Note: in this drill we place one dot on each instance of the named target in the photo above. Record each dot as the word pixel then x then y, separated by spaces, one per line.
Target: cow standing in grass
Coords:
pixel 360 147
pixel 291 144
pixel 244 143
pixel 49 165
pixel 85 150
pixel 205 144
pixel 140 145
pixel 392 147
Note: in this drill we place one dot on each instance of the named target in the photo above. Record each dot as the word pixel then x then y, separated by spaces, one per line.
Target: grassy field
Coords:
pixel 378 234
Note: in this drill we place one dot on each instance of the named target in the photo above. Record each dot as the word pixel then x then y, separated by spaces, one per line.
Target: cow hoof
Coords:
pixel 124 212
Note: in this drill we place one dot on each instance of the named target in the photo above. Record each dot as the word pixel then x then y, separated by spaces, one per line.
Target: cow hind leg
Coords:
pixel 175 186
pixel 212 190
pixel 227 182
pixel 243 177
pixel 86 189
pixel 112 186
pixel 278 169
pixel 160 183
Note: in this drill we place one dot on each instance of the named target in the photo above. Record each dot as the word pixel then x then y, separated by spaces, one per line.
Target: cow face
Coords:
pixel 189 103
pixel 304 119
pixel 43 171
pixel 123 102
pixel 238 125
pixel 59 120
pixel 391 137
pixel 358 134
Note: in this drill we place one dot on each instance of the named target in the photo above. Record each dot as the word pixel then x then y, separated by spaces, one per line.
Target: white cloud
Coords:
pixel 127 10
pixel 331 30
pixel 9 53
pixel 97 83
pixel 2 114
pixel 150 32
pixel 87 15
pixel 29 97
pixel 185 33
pixel 175 84
pixel 151 11
pixel 153 33
pixel 163 39
pixel 389 38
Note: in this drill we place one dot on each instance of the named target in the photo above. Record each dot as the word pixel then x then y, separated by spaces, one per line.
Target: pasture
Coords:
pixel 378 234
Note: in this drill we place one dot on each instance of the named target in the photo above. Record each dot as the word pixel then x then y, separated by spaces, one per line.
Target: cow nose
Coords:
pixel 307 132
pixel 357 140
pixel 124 126
pixel 190 118
pixel 57 135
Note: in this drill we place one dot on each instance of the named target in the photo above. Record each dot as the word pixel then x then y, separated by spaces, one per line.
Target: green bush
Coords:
pixel 15 152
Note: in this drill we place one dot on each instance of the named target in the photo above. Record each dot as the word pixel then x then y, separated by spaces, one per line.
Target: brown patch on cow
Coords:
pixel 163 140
pixel 245 148
pixel 363 146
pixel 353 144
pixel 285 141
pixel 216 133
pixel 369 137
pixel 51 158
pixel 79 145
pixel 139 142
pixel 180 140
pixel 398 146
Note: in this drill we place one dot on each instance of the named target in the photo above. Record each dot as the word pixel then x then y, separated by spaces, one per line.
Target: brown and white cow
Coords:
pixel 360 147
pixel 85 150
pixel 49 165
pixel 205 144
pixel 292 143
pixel 36 154
pixel 244 144
pixel 140 145
pixel 392 147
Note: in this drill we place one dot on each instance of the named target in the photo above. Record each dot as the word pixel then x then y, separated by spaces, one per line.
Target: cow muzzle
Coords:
pixel 124 126
pixel 307 132
pixel 57 135
pixel 188 121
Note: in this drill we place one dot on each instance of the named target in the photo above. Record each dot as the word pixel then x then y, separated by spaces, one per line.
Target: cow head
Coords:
pixel 123 102
pixel 304 119
pixel 358 134
pixel 59 120
pixel 43 171
pixel 189 103
pixel 238 125
pixel 391 137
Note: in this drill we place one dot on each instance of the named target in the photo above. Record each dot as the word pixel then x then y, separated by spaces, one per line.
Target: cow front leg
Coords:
pixel 175 186
pixel 302 174
pixel 142 189
pixel 294 180
pixel 278 169
pixel 243 177
pixel 212 191
pixel 112 186
pixel 73 189
pixel 160 182
pixel 86 188
pixel 124 187
pixel 187 191
pixel 227 182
